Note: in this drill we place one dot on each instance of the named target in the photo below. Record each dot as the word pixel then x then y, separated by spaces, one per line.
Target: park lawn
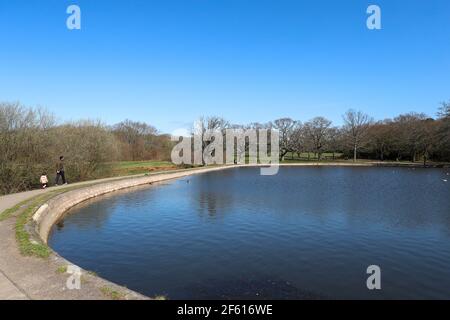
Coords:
pixel 125 168
pixel 291 156
pixel 137 164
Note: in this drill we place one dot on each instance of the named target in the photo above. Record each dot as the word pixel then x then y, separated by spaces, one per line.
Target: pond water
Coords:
pixel 306 233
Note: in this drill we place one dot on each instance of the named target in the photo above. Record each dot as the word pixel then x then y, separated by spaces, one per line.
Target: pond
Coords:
pixel 305 233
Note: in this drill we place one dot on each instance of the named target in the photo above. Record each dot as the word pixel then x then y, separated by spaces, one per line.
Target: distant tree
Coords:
pixel 298 141
pixel 443 131
pixel 285 127
pixel 444 110
pixel 335 140
pixel 426 137
pixel 316 131
pixel 381 138
pixel 257 125
pixel 137 139
pixel 406 131
pixel 356 126
pixel 207 125
pixel 87 145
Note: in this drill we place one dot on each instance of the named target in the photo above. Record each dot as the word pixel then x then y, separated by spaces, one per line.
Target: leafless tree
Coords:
pixel 444 110
pixel 136 139
pixel 407 128
pixel 381 138
pixel 285 127
pixel 207 125
pixel 298 140
pixel 426 138
pixel 356 125
pixel 316 130
pixel 335 140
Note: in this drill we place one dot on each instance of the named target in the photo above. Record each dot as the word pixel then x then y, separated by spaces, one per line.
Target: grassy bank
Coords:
pixel 126 168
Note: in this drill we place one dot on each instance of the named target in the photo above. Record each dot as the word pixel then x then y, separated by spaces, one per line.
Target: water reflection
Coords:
pixel 304 233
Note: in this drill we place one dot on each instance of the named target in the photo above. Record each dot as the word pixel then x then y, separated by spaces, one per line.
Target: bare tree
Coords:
pixel 285 126
pixel 316 130
pixel 207 125
pixel 407 130
pixel 136 138
pixel 444 110
pixel 356 125
pixel 381 138
pixel 334 140
pixel 298 140
pixel 426 138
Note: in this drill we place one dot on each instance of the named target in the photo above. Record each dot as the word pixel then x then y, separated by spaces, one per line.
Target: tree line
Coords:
pixel 407 137
pixel 31 141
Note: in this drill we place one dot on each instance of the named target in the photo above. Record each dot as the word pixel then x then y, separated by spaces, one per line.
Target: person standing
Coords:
pixel 60 171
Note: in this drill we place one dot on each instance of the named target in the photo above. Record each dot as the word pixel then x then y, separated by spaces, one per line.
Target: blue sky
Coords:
pixel 167 62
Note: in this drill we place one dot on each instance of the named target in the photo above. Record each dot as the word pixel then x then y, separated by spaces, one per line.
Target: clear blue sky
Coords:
pixel 167 62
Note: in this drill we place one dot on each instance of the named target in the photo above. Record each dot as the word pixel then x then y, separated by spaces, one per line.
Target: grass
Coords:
pixel 291 156
pixel 112 294
pixel 9 212
pixel 28 247
pixel 134 164
pixel 159 298
pixel 126 168
pixel 61 269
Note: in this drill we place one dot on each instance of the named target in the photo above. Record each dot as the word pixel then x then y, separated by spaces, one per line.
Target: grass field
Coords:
pixel 125 168
pixel 290 156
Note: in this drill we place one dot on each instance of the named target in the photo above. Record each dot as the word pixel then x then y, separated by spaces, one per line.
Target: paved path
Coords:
pixel 9 291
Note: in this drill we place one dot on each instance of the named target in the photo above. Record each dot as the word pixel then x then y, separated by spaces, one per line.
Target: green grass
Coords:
pixel 134 164
pixel 9 212
pixel 112 294
pixel 125 168
pixel 28 247
pixel 293 156
pixel 61 269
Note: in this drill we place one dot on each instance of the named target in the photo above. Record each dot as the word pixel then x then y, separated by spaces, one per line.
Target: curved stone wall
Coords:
pixel 52 211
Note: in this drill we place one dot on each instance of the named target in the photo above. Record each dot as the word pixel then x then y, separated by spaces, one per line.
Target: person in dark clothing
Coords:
pixel 60 171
